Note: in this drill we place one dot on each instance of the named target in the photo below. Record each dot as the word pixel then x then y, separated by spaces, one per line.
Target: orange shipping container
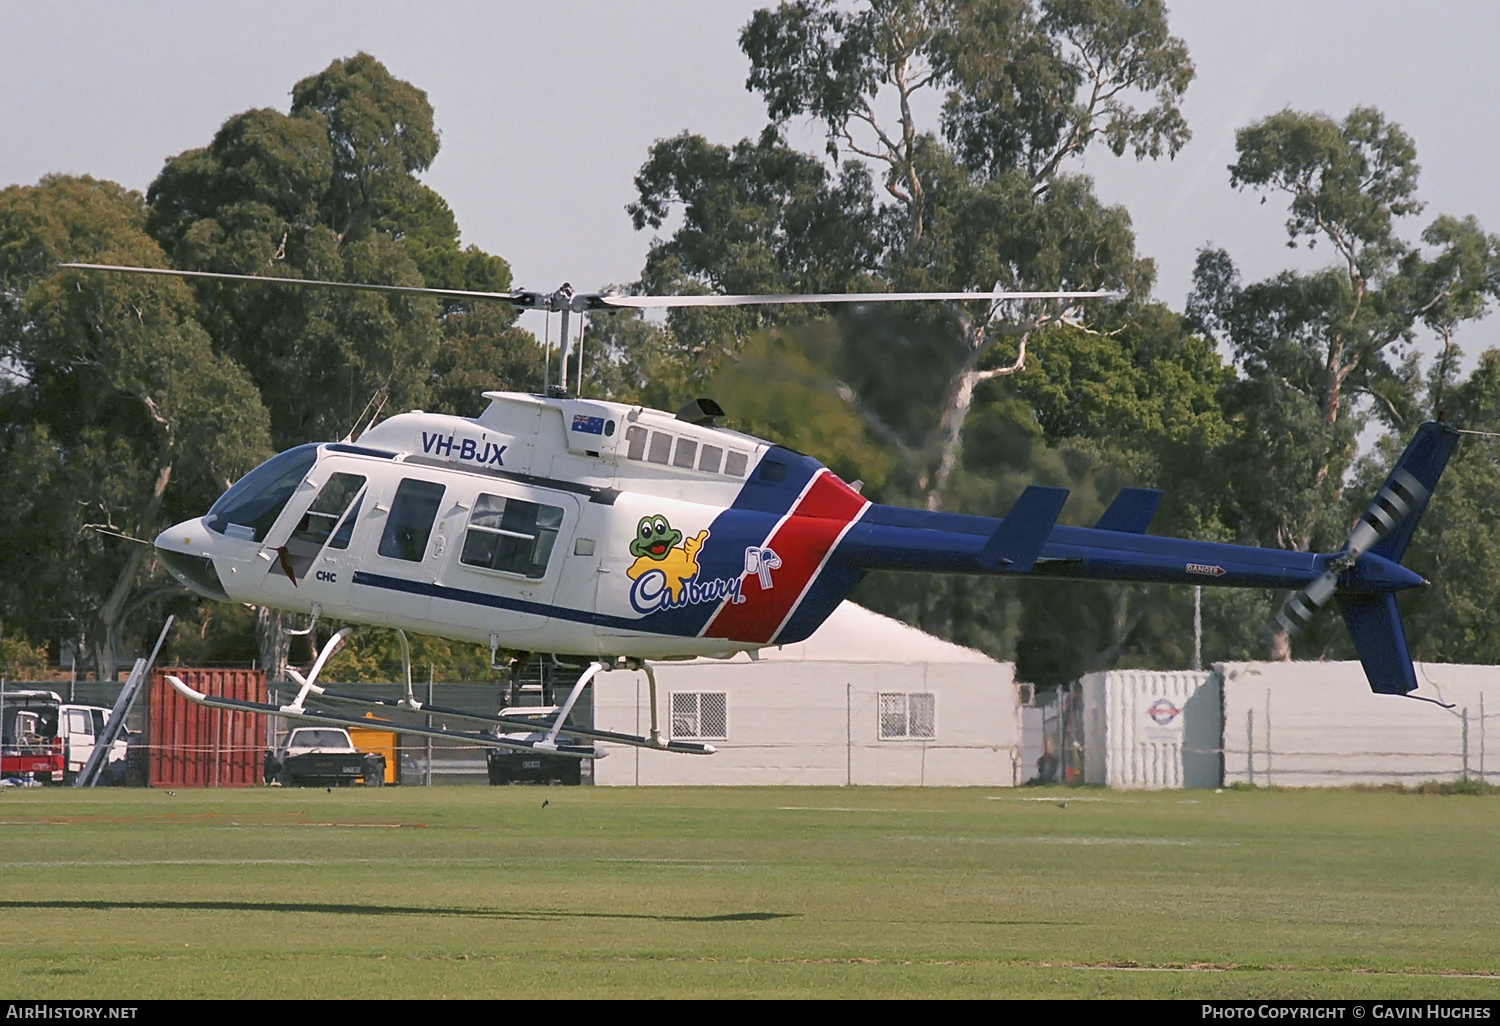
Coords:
pixel 195 746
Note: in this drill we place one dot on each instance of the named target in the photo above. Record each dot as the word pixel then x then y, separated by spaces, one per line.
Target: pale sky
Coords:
pixel 547 110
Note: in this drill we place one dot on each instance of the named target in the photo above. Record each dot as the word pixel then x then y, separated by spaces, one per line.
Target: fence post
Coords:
pixel 1250 746
pixel 1198 627
pixel 1466 744
pixel 848 734
pixel 1268 737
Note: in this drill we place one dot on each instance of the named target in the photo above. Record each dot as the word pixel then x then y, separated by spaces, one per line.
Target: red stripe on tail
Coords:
pixel 802 541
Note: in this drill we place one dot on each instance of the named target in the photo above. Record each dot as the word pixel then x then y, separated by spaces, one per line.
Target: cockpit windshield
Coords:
pixel 248 509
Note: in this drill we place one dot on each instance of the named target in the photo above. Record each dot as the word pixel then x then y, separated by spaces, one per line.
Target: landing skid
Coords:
pixel 550 741
pixel 554 726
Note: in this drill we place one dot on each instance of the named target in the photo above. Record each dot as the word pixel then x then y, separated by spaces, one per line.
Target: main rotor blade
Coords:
pixel 528 300
pixel 515 298
pixel 662 302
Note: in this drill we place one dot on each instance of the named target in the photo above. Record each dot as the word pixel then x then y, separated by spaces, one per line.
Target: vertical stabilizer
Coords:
pixel 1380 640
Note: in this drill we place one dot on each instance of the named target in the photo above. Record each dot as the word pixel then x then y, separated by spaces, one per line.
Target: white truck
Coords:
pixel 35 724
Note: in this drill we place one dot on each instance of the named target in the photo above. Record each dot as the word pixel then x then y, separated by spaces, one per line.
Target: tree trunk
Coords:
pixel 271 643
pixel 109 625
pixel 956 410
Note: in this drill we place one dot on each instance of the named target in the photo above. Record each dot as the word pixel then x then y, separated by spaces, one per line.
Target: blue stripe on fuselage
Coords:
pixel 764 493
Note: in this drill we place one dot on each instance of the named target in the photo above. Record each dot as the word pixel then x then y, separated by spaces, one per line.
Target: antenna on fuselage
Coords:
pixel 381 394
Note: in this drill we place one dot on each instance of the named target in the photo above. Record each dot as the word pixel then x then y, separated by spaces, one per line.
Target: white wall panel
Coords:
pixel 1319 725
pixel 806 722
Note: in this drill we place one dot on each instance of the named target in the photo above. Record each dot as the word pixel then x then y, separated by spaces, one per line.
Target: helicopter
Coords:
pixel 614 535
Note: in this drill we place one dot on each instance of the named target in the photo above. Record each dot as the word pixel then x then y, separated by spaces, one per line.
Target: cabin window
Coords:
pixel 908 716
pixel 635 442
pixel 248 509
pixel 661 448
pixel 409 524
pixel 341 537
pixel 770 470
pixel 327 510
pixel 700 714
pixel 735 464
pixel 511 535
pixel 686 454
pixel 710 458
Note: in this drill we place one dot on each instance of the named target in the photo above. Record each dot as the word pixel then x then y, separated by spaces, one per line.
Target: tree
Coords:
pixel 118 418
pixel 1312 346
pixel 1457 545
pixel 329 191
pixel 960 406
pixel 1025 89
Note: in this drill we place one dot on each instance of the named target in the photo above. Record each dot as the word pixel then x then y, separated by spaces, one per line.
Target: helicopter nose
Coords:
pixel 186 550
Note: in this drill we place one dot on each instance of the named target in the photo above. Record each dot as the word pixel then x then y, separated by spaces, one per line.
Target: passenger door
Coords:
pixel 400 553
pixel 509 546
pixel 78 726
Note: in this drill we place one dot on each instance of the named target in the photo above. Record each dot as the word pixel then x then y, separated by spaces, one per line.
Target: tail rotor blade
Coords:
pixel 1298 611
pixel 1401 495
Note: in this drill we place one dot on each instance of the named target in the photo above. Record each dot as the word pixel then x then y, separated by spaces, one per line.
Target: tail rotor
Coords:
pixel 1402 496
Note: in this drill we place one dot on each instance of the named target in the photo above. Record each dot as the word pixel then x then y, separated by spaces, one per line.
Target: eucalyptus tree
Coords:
pixel 977 199
pixel 330 190
pixel 117 417
pixel 1319 350
pixel 953 131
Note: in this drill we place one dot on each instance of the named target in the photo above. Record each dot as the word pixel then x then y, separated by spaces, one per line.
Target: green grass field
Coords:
pixel 724 892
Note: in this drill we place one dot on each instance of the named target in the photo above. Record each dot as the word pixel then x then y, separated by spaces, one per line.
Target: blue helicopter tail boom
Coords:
pixel 1363 577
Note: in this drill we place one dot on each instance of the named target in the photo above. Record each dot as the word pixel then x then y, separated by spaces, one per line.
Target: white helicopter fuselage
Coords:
pixel 545 524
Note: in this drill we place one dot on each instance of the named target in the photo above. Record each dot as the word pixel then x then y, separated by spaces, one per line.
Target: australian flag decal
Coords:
pixel 588 425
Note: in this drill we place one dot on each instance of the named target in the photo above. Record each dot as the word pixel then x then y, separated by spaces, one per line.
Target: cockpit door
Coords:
pixel 307 551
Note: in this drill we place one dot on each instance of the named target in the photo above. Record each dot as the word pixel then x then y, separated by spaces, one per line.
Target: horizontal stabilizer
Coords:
pixel 1018 540
pixel 1131 512
pixel 1380 640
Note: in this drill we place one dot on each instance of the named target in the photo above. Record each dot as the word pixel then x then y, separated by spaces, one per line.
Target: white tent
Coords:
pixel 865 700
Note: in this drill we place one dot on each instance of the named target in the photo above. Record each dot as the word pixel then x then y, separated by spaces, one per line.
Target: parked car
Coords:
pixel 323 757
pixel 514 766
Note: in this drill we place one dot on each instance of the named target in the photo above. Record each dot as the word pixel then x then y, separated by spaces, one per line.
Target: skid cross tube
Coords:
pixel 550 741
pixel 307 682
